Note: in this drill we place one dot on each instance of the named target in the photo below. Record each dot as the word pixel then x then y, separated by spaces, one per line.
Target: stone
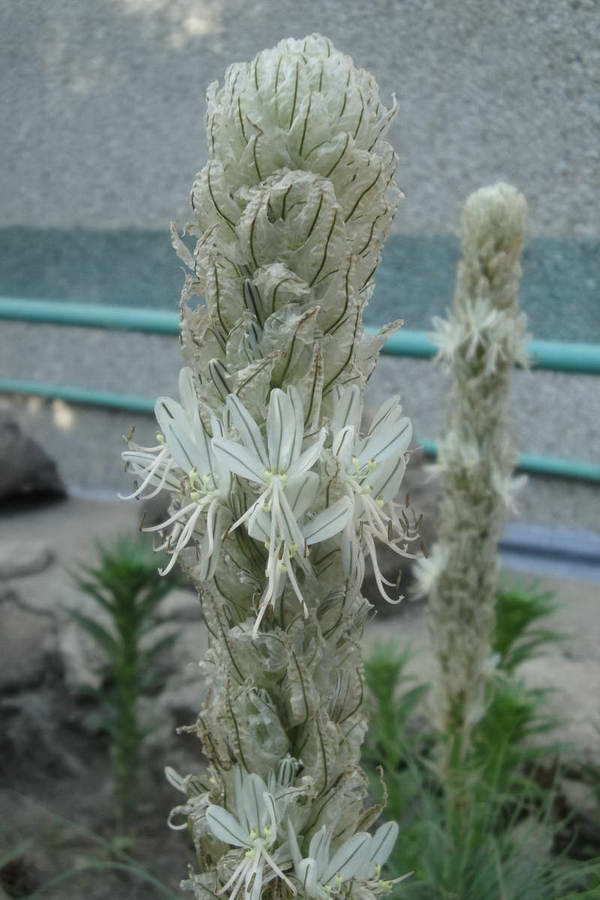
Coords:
pixel 26 470
pixel 19 558
pixel 27 639
pixel 581 799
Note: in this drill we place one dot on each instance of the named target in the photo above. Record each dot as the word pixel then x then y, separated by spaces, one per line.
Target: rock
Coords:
pixel 27 639
pixel 572 701
pixel 18 558
pixel 581 799
pixel 81 660
pixel 25 469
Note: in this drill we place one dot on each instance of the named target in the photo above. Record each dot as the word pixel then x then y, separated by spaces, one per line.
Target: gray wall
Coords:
pixel 102 101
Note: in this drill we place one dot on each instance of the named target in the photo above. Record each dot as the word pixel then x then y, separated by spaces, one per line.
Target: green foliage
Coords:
pixel 89 853
pixel 488 833
pixel 518 608
pixel 127 589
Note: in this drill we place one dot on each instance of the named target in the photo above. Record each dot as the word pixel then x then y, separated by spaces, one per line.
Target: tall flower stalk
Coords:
pixel 480 341
pixel 277 495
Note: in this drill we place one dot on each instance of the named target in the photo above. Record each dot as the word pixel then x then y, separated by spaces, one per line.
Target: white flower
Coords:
pixel 371 469
pixel 360 857
pixel 254 830
pixel 288 488
pixel 185 464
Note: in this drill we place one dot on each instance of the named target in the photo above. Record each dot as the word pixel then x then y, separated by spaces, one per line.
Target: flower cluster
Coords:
pixel 480 341
pixel 198 467
pixel 277 498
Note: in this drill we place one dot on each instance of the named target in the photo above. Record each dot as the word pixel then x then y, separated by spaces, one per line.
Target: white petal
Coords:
pixel 248 429
pixel 239 460
pixel 179 436
pixel 307 459
pixel 293 842
pixel 319 848
pixel 392 439
pixel 253 803
pixel 385 481
pixel 257 882
pixel 187 393
pixel 298 409
pixel 225 827
pixel 347 408
pixel 281 431
pixel 389 411
pixel 286 520
pixel 343 445
pixel 382 842
pixel 301 492
pixel 329 522
pixel 349 859
pixel 306 873
pixel 259 524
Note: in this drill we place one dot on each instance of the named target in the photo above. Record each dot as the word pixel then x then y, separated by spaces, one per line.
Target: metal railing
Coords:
pixel 556 356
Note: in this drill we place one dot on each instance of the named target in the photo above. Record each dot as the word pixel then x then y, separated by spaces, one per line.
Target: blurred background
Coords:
pixel 102 121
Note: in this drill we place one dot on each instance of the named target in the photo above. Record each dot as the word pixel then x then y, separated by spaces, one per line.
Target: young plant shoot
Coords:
pixel 277 495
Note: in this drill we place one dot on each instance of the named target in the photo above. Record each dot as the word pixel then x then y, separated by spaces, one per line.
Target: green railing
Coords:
pixel 555 356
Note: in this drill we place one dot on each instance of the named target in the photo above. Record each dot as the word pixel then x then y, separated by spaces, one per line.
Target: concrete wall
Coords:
pixel 102 101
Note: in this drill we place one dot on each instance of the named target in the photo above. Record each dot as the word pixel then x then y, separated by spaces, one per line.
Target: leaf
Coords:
pixel 100 634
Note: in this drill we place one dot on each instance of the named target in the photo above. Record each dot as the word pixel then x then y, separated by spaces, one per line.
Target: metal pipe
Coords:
pixel 556 356
pixel 89 315
pixel 77 395
pixel 537 465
